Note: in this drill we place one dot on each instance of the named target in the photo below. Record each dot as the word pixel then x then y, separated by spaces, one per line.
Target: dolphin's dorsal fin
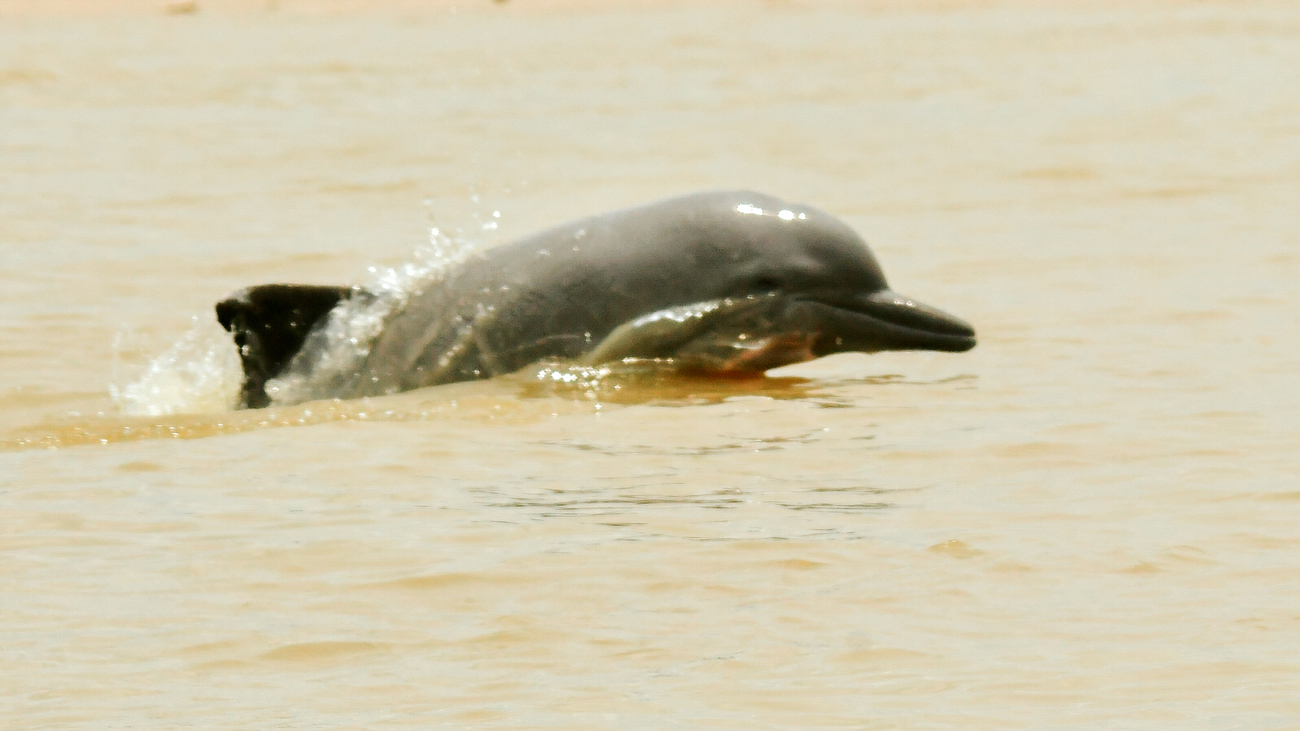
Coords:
pixel 270 323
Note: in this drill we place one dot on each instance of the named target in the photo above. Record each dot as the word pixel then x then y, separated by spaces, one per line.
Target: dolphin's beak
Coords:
pixel 887 320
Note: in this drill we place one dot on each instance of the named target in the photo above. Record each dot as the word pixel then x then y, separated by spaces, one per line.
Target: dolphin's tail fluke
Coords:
pixel 270 323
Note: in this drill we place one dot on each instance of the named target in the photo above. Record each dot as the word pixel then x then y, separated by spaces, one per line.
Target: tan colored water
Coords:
pixel 1090 521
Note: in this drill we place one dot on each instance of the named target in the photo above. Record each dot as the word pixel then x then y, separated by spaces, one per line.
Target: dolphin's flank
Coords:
pixel 731 282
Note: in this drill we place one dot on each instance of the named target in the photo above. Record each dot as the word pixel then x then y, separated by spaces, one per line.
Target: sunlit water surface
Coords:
pixel 1090 521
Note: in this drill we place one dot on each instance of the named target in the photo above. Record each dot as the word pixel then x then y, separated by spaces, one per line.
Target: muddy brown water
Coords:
pixel 1090 521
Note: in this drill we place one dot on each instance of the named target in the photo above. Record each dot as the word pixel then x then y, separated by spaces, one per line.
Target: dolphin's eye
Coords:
pixel 766 283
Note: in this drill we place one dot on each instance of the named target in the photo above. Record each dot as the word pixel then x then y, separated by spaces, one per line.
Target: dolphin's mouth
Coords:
pixel 755 333
pixel 886 320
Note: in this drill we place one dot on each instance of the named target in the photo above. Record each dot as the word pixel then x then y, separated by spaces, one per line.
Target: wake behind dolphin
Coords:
pixel 726 282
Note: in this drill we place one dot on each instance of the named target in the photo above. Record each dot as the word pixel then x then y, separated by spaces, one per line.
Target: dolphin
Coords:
pixel 732 282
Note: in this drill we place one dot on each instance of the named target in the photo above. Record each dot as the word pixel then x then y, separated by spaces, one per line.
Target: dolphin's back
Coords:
pixel 558 293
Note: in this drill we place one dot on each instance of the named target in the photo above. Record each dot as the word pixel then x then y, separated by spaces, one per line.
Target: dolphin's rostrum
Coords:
pixel 735 282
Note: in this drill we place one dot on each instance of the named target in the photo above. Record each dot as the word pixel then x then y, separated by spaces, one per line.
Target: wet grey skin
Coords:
pixel 728 282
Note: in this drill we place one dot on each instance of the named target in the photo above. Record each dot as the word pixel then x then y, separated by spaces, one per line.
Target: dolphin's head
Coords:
pixel 749 282
pixel 820 283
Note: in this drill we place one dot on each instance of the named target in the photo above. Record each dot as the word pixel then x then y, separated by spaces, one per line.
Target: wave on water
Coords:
pixel 201 371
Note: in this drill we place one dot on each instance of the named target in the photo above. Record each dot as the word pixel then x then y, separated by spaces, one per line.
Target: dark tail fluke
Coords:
pixel 270 323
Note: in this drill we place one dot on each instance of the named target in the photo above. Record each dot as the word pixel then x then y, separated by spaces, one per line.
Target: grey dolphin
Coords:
pixel 726 281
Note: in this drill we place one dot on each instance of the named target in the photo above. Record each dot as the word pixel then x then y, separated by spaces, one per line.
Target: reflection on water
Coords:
pixel 660 382
pixel 531 394
pixel 649 382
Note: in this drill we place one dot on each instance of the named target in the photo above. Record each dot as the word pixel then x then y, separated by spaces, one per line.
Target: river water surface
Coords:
pixel 1092 520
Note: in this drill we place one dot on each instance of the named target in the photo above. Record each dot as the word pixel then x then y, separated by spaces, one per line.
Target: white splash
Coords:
pixel 334 352
pixel 199 373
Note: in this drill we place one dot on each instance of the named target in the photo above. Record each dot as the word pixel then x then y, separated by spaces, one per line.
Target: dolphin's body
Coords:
pixel 734 282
